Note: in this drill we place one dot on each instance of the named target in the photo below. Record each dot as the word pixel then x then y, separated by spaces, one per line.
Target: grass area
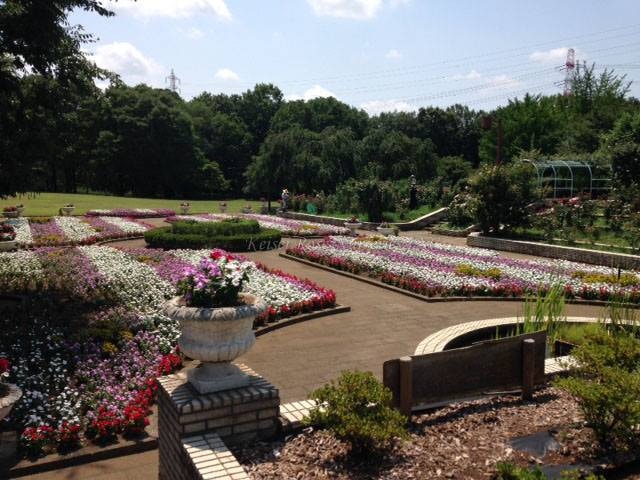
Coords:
pixel 45 204
pixel 389 216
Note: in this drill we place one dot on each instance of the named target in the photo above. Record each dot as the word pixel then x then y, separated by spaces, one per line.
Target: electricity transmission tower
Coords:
pixel 173 82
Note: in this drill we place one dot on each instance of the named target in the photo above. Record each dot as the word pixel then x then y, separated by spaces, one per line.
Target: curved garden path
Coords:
pixel 381 325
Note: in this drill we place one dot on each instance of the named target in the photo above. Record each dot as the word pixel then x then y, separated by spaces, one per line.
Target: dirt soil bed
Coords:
pixel 463 441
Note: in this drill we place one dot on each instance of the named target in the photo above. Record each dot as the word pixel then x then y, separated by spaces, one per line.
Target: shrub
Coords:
pixel 509 471
pixel 501 195
pixel 231 226
pixel 356 408
pixel 624 279
pixel 606 385
pixel 164 238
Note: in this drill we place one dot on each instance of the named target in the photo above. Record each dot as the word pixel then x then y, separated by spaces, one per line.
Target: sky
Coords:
pixel 378 55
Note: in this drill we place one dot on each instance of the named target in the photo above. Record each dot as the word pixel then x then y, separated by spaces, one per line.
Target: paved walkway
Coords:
pixel 381 325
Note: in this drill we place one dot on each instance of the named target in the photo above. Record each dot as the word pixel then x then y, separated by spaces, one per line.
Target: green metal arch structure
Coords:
pixel 568 178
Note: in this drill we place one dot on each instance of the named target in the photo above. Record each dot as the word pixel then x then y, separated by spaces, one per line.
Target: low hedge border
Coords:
pixel 164 238
pixel 226 227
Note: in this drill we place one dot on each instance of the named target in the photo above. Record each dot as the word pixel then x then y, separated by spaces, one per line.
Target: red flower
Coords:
pixel 4 366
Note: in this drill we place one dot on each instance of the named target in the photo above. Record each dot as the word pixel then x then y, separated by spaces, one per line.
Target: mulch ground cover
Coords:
pixel 463 441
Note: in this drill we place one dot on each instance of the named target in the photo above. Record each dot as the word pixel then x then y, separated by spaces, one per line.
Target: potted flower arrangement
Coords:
pixel 216 320
pixel 11 212
pixel 9 393
pixel 247 209
pixel 67 209
pixel 20 209
pixel 223 207
pixel 385 229
pixel 353 224
pixel 7 237
pixel 184 207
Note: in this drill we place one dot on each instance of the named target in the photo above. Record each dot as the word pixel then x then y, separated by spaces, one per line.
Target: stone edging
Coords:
pixel 416 224
pixel 81 457
pixel 438 341
pixel 584 255
pixel 304 317
pixel 453 233
pixel 402 291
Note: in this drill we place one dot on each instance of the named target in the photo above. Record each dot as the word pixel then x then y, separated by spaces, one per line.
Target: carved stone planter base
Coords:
pixel 216 377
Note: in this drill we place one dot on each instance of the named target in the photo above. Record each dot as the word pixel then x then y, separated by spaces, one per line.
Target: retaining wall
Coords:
pixel 594 257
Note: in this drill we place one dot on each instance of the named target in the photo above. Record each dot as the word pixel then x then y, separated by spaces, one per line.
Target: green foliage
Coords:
pixel 569 220
pixel 624 279
pixel 500 196
pixel 493 273
pixel 606 385
pixel 459 213
pixel 231 226
pixel 544 312
pixel 356 408
pixel 510 471
pixel 266 239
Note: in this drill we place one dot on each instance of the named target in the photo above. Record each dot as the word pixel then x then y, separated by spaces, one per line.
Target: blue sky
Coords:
pixel 373 54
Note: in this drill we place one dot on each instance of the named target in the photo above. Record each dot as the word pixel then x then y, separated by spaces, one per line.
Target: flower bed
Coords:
pixel 296 228
pixel 132 212
pixel 74 230
pixel 93 357
pixel 434 269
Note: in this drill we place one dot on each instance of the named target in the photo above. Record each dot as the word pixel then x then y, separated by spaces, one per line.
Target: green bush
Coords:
pixel 509 471
pixel 266 239
pixel 356 408
pixel 231 226
pixel 606 385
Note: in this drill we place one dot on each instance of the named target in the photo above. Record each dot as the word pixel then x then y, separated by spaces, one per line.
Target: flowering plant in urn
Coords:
pixel 216 320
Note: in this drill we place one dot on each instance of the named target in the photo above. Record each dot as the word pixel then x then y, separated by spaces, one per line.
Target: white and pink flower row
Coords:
pixel 434 269
pixel 75 230
pixel 290 227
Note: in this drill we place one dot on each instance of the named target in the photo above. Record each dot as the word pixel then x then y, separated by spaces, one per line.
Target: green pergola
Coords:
pixel 567 178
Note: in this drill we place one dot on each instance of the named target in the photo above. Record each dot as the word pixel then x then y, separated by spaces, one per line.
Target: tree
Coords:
pixel 500 195
pixel 35 38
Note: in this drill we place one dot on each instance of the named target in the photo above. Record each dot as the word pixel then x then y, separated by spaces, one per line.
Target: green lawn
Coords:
pixel 45 204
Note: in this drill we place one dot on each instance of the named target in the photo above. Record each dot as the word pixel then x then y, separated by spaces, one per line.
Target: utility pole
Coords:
pixel 173 81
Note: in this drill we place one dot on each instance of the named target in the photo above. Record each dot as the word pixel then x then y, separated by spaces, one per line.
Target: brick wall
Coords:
pixel 236 416
pixel 594 257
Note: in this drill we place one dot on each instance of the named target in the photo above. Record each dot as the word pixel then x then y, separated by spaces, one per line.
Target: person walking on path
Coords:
pixel 285 199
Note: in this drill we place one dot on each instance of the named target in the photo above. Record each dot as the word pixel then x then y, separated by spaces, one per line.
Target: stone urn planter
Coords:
pixel 185 209
pixel 9 400
pixel 247 210
pixel 386 231
pixel 8 245
pixel 20 210
pixel 353 226
pixel 223 208
pixel 67 211
pixel 216 336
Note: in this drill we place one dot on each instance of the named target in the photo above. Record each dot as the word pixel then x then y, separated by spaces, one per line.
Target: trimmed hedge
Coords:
pixel 231 226
pixel 265 239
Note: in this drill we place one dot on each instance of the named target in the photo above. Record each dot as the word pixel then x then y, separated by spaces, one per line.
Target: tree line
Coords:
pixel 61 133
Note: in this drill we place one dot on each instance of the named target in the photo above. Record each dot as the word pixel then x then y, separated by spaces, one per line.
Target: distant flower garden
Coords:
pixel 131 212
pixel 93 358
pixel 297 228
pixel 443 270
pixel 51 231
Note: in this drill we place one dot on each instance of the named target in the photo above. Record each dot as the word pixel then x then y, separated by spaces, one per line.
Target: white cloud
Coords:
pixel 125 60
pixel 354 9
pixel 393 54
pixel 375 107
pixel 316 91
pixel 194 33
pixel 173 8
pixel 227 75
pixel 399 3
pixel 555 55
pixel 472 75
pixel 503 81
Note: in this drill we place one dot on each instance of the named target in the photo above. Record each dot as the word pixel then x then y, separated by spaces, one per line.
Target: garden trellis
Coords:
pixel 567 178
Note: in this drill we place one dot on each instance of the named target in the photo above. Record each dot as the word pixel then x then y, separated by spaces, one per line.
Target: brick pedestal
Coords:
pixel 237 416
